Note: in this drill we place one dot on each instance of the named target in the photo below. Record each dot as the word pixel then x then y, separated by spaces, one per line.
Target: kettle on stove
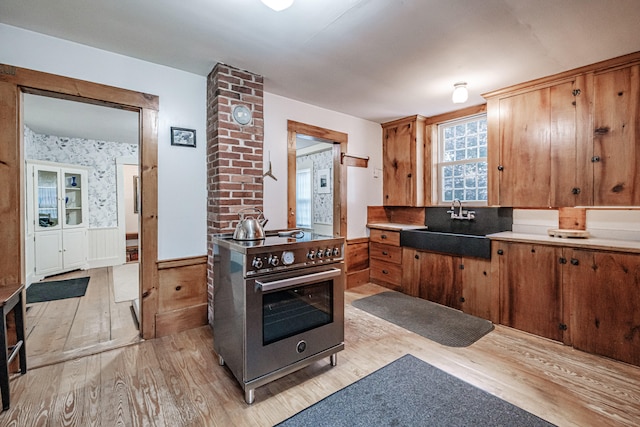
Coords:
pixel 250 227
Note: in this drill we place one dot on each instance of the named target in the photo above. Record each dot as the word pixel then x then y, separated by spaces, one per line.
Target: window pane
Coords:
pixel 462 159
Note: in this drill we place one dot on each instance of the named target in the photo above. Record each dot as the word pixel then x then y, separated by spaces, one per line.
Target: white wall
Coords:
pixel 365 138
pixel 181 171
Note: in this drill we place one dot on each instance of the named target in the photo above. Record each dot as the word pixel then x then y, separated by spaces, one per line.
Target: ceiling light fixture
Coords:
pixel 278 5
pixel 460 94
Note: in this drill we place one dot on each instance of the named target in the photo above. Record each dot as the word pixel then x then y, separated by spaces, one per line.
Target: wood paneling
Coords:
pixel 11 235
pixel 357 256
pixel 572 218
pixel 386 252
pixel 481 295
pixel 182 287
pixel 395 215
pixel 386 273
pixel 180 320
pixel 103 247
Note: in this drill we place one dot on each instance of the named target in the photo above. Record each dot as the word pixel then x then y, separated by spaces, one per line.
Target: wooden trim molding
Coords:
pixel 13 82
pixel 182 262
pixel 340 141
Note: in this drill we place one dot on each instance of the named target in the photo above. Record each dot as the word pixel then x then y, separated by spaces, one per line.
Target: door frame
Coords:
pixel 14 81
pixel 339 180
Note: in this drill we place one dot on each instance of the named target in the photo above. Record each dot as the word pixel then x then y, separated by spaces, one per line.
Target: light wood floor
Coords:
pixel 176 380
pixel 65 329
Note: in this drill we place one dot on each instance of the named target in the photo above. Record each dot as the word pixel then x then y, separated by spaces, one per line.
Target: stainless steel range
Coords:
pixel 278 305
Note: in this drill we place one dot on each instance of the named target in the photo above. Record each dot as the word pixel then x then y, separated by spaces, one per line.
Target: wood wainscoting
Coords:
pixel 182 300
pixel 357 262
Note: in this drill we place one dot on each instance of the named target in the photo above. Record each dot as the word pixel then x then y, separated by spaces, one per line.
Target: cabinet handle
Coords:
pixel 575 190
pixel 385 272
pixel 500 251
pixel 575 261
pixel 562 260
pixel 595 159
pixel 500 168
pixel 416 256
pixel 385 253
pixel 383 236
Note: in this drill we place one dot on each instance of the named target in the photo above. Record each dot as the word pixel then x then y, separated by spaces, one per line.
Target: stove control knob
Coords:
pixel 288 257
pixel 336 252
pixel 311 254
pixel 327 252
pixel 257 263
pixel 273 260
pixel 319 253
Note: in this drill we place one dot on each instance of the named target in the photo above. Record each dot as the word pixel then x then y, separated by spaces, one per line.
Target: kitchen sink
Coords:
pixel 472 245
pixel 459 237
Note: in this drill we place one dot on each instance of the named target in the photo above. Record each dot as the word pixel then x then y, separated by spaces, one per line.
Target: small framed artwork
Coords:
pixel 183 137
pixel 324 181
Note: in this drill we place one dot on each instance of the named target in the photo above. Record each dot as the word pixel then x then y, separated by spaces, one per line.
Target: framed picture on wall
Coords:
pixel 183 137
pixel 324 181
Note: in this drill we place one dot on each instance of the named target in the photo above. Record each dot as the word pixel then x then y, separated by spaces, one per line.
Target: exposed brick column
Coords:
pixel 234 153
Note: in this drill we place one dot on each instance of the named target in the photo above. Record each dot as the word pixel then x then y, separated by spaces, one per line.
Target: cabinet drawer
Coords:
pixel 386 253
pixel 385 236
pixel 387 272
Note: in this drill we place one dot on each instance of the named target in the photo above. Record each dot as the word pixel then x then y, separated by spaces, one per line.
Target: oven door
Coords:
pixel 292 316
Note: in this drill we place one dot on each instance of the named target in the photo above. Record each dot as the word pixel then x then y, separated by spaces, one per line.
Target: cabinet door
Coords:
pixel 48 252
pixel 616 123
pixel 531 288
pixel 605 293
pixel 47 198
pixel 403 170
pixel 74 183
pixel 438 280
pixel 74 252
pixel 479 298
pixel 525 149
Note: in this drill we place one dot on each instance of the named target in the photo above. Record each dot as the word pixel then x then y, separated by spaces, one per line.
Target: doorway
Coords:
pixel 324 177
pixel 95 141
pixel 15 82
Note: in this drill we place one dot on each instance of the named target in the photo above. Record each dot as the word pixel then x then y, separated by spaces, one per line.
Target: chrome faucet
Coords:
pixel 462 213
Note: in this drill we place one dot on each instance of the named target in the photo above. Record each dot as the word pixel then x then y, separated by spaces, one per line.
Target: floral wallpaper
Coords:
pixel 99 156
pixel 322 202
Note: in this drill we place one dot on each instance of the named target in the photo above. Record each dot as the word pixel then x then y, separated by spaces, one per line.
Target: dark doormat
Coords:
pixel 444 325
pixel 60 289
pixel 410 392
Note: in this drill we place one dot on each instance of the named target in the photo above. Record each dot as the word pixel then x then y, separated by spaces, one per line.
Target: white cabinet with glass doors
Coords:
pixel 57 216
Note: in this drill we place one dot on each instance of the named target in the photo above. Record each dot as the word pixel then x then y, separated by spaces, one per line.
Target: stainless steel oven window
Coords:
pixel 291 311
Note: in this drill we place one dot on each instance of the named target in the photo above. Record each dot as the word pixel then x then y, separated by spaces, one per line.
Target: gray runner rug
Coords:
pixel 410 392
pixel 444 325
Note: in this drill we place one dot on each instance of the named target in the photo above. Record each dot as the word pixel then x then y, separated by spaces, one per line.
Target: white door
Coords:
pixel 48 248
pixel 74 254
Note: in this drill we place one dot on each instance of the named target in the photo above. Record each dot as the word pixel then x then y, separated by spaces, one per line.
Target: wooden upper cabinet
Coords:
pixel 616 137
pixel 532 138
pixel 568 140
pixel 403 159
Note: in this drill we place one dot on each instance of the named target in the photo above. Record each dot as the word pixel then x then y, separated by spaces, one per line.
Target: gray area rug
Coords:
pixel 436 322
pixel 410 392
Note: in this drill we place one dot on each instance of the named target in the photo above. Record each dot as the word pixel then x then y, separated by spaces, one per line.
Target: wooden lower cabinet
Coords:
pixel 604 294
pixel 530 288
pixel 457 282
pixel 385 254
pixel 585 298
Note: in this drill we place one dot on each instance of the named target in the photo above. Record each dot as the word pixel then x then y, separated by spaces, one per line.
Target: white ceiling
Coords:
pixel 374 59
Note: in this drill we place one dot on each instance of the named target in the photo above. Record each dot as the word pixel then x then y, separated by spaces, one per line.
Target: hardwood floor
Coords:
pixel 176 380
pixel 68 328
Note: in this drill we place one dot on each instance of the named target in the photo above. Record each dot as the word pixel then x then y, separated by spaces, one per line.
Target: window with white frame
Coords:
pixel 303 198
pixel 462 160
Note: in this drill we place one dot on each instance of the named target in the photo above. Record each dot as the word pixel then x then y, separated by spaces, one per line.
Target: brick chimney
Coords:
pixel 234 153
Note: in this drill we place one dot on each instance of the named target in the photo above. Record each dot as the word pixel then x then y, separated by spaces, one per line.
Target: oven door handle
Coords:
pixel 307 278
